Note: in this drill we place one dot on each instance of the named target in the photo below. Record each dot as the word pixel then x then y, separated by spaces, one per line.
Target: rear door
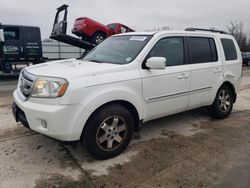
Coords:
pixel 205 68
pixel 117 29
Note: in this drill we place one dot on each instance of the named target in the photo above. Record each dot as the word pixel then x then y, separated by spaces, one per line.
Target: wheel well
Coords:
pixel 99 31
pixel 133 111
pixel 231 87
pixel 130 107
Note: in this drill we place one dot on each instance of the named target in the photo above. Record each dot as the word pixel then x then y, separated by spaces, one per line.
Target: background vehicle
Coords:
pixel 59 31
pixel 90 31
pixel 246 58
pixel 96 32
pixel 1 45
pixel 22 45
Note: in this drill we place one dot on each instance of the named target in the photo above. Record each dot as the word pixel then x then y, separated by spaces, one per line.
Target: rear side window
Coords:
pixel 229 49
pixel 202 50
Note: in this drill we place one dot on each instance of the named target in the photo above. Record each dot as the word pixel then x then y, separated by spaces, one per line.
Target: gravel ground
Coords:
pixel 184 150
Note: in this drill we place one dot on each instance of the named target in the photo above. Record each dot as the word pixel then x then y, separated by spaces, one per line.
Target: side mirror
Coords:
pixel 156 63
pixel 1 35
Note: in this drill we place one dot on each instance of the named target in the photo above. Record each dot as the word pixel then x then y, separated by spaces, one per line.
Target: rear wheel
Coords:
pixel 223 103
pixel 98 37
pixel 109 131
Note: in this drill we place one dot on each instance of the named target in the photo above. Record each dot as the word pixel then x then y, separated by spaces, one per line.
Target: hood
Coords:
pixel 70 68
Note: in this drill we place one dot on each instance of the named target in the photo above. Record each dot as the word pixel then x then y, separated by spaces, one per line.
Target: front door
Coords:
pixel 13 48
pixel 166 91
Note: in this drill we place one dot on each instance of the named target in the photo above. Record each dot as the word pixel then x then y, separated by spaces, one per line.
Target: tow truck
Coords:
pixel 19 45
pixel 90 32
pixel 59 31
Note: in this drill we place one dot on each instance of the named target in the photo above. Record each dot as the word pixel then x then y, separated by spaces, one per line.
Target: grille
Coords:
pixel 26 82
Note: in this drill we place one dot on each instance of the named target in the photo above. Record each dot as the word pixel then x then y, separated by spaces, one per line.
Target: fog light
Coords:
pixel 44 124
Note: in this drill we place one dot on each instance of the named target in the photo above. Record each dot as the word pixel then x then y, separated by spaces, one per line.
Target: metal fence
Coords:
pixel 58 50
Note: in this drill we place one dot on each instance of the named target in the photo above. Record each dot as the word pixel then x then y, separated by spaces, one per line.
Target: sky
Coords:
pixel 140 15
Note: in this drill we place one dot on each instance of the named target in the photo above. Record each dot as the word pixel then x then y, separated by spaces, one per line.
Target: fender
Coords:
pixel 97 97
pixel 101 98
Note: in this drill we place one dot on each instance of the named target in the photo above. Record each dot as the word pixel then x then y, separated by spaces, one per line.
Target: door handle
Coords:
pixel 218 70
pixel 183 76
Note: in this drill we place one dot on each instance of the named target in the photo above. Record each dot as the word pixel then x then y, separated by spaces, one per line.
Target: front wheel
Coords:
pixel 108 131
pixel 223 103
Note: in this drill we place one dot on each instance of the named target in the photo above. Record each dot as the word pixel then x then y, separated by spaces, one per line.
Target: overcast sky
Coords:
pixel 138 14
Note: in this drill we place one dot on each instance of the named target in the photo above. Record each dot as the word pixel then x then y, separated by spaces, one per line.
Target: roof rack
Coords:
pixel 209 30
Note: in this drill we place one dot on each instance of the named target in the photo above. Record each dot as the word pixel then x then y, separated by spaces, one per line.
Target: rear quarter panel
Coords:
pixel 93 27
pixel 232 70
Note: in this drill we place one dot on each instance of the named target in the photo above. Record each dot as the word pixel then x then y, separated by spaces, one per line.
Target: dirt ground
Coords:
pixel 184 150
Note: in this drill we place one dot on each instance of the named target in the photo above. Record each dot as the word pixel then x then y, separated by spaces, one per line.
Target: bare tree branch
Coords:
pixel 236 29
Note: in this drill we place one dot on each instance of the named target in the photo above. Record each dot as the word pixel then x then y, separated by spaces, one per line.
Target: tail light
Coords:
pixel 81 22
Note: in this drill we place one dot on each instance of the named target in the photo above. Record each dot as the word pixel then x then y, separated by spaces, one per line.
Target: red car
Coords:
pixel 96 32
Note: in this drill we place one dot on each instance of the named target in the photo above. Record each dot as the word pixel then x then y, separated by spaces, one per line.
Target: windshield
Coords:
pixel 111 26
pixel 118 49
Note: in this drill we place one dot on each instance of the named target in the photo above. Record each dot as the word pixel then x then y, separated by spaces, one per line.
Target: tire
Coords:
pixel 7 68
pixel 108 131
pixel 223 103
pixel 85 38
pixel 98 37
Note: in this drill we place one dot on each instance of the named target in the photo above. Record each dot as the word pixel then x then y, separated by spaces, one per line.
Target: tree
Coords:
pixel 236 29
pixel 248 44
pixel 164 28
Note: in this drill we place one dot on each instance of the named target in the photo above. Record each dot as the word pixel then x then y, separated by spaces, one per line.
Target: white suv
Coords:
pixel 126 80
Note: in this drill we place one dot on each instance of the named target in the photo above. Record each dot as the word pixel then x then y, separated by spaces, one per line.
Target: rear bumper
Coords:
pixel 81 32
pixel 64 122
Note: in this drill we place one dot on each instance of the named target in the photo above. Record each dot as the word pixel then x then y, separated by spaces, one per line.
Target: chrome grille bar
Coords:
pixel 26 82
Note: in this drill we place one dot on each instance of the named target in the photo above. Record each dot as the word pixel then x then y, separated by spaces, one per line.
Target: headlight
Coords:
pixel 48 87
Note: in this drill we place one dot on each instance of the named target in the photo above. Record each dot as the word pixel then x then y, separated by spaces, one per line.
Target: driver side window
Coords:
pixel 171 48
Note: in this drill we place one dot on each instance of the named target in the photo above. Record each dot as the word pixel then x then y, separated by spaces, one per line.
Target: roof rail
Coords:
pixel 209 30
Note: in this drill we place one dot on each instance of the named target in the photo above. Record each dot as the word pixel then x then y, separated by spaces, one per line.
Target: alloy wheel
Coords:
pixel 224 100
pixel 111 133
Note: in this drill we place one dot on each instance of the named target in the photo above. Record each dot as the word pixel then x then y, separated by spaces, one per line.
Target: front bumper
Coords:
pixel 19 115
pixel 64 122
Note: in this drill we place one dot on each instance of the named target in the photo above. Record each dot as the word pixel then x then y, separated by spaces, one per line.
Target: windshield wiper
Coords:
pixel 83 54
pixel 95 60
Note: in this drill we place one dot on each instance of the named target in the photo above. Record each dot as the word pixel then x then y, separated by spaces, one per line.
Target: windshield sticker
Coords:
pixel 128 59
pixel 138 38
